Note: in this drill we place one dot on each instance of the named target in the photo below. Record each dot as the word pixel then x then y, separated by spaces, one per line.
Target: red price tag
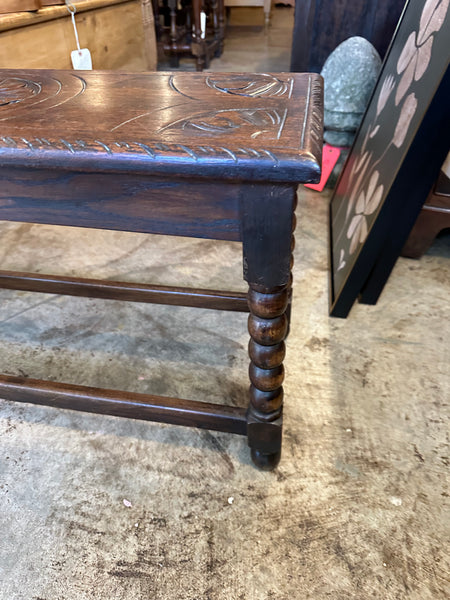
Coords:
pixel 329 159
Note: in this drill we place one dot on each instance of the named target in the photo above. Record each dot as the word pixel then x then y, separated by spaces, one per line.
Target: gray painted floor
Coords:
pixel 356 508
pixel 96 507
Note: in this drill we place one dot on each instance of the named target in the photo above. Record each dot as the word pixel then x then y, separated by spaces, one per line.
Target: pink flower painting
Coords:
pixel 404 120
pixel 416 54
pixel 367 203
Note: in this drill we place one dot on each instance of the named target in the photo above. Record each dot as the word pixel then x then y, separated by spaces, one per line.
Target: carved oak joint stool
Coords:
pixel 215 156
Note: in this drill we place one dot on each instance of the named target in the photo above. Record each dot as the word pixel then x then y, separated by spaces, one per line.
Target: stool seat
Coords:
pixel 214 125
pixel 212 155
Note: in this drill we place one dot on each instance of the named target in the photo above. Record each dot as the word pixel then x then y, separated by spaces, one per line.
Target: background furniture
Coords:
pixel 179 30
pixel 321 25
pixel 10 6
pixel 433 218
pixel 211 156
pixel 113 30
pixel 395 159
pixel 265 4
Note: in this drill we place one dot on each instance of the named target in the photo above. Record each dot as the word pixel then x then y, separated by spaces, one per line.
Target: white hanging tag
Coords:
pixel 81 60
pixel 203 24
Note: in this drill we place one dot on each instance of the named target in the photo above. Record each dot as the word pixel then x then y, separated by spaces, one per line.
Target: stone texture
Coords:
pixel 350 74
pixel 339 138
pixel 342 121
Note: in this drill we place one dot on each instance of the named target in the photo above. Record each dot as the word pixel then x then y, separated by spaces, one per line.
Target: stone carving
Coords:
pixel 350 74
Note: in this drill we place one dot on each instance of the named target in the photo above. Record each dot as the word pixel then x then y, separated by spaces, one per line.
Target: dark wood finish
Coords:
pixel 267 256
pixel 215 156
pixel 146 407
pixel 119 201
pixel 291 266
pixel 430 223
pixel 321 25
pixel 232 126
pixel 267 325
pixel 432 220
pixel 394 161
pixel 267 268
pixel 130 292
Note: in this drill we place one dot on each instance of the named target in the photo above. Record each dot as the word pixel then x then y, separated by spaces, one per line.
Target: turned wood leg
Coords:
pixel 267 325
pixel 267 225
pixel 173 32
pixel 221 25
pixel 291 277
pixel 198 46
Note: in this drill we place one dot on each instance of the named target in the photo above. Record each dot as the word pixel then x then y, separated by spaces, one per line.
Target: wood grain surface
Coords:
pixel 129 292
pixel 12 6
pixel 112 30
pixel 123 202
pixel 263 126
pixel 189 413
pixel 200 155
pixel 23 19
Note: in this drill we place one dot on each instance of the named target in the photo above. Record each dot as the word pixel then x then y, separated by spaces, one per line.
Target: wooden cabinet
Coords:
pixel 113 31
pixel 265 4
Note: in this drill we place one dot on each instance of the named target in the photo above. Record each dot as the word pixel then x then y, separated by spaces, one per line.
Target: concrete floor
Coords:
pixel 358 507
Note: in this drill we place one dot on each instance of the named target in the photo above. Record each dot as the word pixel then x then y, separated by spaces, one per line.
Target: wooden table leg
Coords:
pixel 267 326
pixel 198 44
pixel 267 223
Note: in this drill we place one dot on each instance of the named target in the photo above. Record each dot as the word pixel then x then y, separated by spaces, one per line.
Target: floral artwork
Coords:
pixel 406 114
pixel 411 65
pixel 395 111
pixel 416 54
pixel 366 205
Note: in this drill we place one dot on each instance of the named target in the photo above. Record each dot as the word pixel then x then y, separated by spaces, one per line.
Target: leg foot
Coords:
pixel 265 462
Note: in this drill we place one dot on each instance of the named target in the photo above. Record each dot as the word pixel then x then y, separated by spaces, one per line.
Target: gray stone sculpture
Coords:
pixel 350 74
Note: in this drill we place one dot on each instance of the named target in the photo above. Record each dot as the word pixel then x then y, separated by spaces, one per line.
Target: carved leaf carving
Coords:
pixel 14 90
pixel 258 120
pixel 254 85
